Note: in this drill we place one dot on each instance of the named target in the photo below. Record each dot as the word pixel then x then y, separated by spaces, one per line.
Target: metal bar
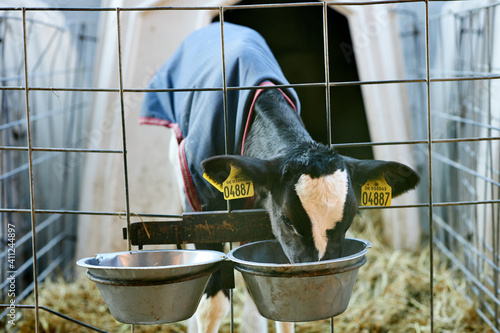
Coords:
pixel 385 143
pixel 124 133
pixel 31 176
pixel 462 203
pixel 224 83
pixel 280 5
pixel 205 227
pixel 226 138
pixel 327 75
pixel 84 212
pixel 429 138
pixel 495 226
pixel 161 8
pixel 229 88
pixel 176 216
pixel 224 91
pixel 327 94
pixel 415 142
pixel 494 138
pixel 468 78
pixel 453 73
pixel 64 150
pixel 337 145
pixel 344 145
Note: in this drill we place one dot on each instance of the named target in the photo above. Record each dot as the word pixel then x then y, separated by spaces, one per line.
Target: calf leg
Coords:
pixel 284 327
pixel 214 305
pixel 211 312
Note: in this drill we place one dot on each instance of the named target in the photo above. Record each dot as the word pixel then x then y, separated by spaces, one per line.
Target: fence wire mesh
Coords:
pixel 60 54
pixel 452 79
pixel 465 128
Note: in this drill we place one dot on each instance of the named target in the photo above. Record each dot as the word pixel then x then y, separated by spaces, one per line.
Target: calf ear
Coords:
pixel 399 176
pixel 261 172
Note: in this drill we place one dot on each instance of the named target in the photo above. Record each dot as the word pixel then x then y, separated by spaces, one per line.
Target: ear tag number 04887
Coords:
pixel 237 185
pixel 376 193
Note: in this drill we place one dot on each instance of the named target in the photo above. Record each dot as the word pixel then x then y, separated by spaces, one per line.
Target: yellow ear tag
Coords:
pixel 237 185
pixel 376 193
pixel 213 182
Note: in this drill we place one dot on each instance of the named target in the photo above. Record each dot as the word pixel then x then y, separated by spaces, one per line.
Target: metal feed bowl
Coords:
pixel 298 292
pixel 152 287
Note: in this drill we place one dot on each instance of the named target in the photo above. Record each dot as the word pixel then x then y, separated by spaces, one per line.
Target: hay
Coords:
pixel 391 294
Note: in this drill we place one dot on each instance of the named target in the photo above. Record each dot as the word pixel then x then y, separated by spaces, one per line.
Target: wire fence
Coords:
pixel 465 127
pixel 451 76
pixel 59 53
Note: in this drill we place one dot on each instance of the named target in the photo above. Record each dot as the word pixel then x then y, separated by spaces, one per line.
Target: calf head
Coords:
pixel 312 194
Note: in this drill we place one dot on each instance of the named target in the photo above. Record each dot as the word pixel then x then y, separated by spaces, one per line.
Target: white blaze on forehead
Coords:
pixel 323 200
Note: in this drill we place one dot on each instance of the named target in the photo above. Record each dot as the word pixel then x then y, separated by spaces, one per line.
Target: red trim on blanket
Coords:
pixel 250 112
pixel 162 122
pixel 188 181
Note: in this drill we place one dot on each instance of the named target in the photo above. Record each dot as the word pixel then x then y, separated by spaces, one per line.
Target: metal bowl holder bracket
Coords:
pixel 204 228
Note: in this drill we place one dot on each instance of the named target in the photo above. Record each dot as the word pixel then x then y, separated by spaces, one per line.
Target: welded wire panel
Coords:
pixel 465 126
pixel 59 54
pixel 451 83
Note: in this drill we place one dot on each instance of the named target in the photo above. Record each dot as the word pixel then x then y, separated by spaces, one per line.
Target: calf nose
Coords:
pixel 334 250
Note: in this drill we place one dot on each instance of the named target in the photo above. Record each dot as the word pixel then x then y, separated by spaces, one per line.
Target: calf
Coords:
pixel 310 191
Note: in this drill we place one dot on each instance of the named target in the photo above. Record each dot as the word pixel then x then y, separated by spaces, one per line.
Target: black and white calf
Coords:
pixel 310 191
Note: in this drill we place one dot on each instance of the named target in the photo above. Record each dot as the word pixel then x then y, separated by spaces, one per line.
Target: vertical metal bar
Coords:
pixel 224 83
pixel 326 58
pixel 124 135
pixel 224 90
pixel 469 132
pixel 490 22
pixel 226 142
pixel 327 74
pixel 429 138
pixel 231 302
pixel 494 238
pixel 31 181
pixel 124 138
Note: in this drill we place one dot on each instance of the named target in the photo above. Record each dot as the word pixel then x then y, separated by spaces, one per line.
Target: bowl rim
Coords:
pixel 360 254
pixel 218 257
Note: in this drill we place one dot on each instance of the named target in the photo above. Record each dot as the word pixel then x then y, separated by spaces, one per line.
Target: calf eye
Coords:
pixel 288 223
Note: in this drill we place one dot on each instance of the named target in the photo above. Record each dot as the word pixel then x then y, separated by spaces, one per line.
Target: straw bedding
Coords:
pixel 391 294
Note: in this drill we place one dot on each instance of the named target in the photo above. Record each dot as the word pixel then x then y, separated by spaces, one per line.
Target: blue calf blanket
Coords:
pixel 198 116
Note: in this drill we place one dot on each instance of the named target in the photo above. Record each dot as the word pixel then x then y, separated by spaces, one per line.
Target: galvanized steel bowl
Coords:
pixel 152 287
pixel 298 292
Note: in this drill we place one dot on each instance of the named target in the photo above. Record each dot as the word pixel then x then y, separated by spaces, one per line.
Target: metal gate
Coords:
pixel 452 81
